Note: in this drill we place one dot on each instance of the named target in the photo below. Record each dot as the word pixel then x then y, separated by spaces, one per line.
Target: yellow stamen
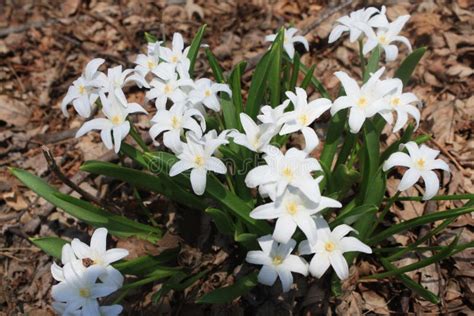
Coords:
pixel 395 101
pixel 168 88
pixel 292 208
pixel 116 120
pixel 82 89
pixel 288 173
pixel 382 39
pixel 151 64
pixel 303 119
pixel 362 102
pixel 199 160
pixel 174 59
pixel 84 292
pixel 329 246
pixel 420 163
pixel 277 260
pixel 175 122
pixel 207 93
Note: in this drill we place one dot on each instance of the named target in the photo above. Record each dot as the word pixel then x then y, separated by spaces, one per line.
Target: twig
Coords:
pixel 61 176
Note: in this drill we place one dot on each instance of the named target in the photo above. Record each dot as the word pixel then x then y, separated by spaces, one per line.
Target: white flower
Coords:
pixel 277 261
pixel 401 103
pixel 303 115
pixel 364 102
pixel 112 310
pixel 329 249
pixel 168 86
pixel 198 157
pixel 147 63
pixel 154 48
pixel 291 169
pixel 385 36
pixel 83 92
pixel 256 137
pixel 270 115
pixel 289 41
pixel 114 82
pixel 115 124
pixel 205 92
pixel 67 257
pixel 293 209
pixel 356 23
pixel 421 162
pixel 97 255
pixel 177 54
pixel 81 290
pixel 174 121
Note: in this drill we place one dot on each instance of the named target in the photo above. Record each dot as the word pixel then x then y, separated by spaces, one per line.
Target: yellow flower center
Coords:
pixel 168 88
pixel 303 119
pixel 84 292
pixel 420 163
pixel 288 173
pixel 151 64
pixel 175 122
pixel 292 208
pixel 82 89
pixel 208 93
pixel 362 102
pixel 174 59
pixel 383 39
pixel 395 101
pixel 116 120
pixel 199 160
pixel 329 246
pixel 277 260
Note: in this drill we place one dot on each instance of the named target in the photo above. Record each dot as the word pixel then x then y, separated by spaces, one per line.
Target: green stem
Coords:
pixel 385 210
pixel 439 197
pixel 361 56
pixel 138 139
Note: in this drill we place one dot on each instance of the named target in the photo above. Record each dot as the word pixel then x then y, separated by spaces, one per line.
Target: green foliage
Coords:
pixel 229 293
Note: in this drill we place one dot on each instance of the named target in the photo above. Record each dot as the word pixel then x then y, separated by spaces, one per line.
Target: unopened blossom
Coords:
pixel 80 290
pixel 83 92
pixel 293 168
pixel 386 36
pixel 329 249
pixel 115 123
pixel 420 161
pixel 198 157
pixel 303 115
pixel 175 121
pixel 277 261
pixel 177 53
pixel 289 41
pixel 293 209
pixel 256 137
pixel 401 104
pixel 168 86
pixel 97 254
pixel 356 22
pixel 364 102
pixel 205 91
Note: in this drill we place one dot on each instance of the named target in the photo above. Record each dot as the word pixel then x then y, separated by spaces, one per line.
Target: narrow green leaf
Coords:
pixel 412 285
pixel 333 136
pixel 314 81
pixel 425 219
pixel 223 222
pixel 363 211
pixel 236 86
pixel 146 265
pixel 308 77
pixel 295 73
pixel 216 68
pixel 150 38
pixel 229 293
pixel 372 63
pixel 409 64
pixel 194 48
pixel 453 197
pixel 51 245
pixel 258 86
pixel 274 75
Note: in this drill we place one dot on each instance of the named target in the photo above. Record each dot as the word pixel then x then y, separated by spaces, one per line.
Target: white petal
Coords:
pixel 337 32
pixel 67 254
pixel 305 248
pixel 266 211
pixel 391 52
pixel 258 257
pixel 215 165
pixel 307 225
pixel 179 167
pixel 198 180
pixel 350 85
pixel 319 265
pixel 296 264
pixel 267 244
pixel 431 184
pixel 91 307
pixel 98 124
pixel 311 139
pixel 112 277
pixel 99 240
pixel 92 67
pixel 410 177
pixel 438 164
pixel 267 275
pixel 115 254
pixel 284 249
pixel 106 136
pixel 397 159
pixel 249 125
pixel 341 231
pixel 341 103
pixel 101 290
pixel 257 176
pixel 339 264
pixel 284 228
pixel 369 45
pixel 286 279
pixel 349 244
pixel 80 249
pixel 356 119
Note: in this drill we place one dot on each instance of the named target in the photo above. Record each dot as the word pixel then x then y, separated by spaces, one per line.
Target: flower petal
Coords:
pixel 339 264
pixel 286 279
pixel 319 265
pixel 398 159
pixel 410 177
pixel 198 180
pixel 349 244
pixel 284 228
pixel 296 264
pixel 258 257
pixel 431 184
pixel 267 275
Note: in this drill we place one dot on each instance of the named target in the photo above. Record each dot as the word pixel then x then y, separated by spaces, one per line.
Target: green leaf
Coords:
pixel 308 77
pixel 146 265
pixel 453 197
pixel 425 219
pixel 229 293
pixel 313 80
pixel 294 74
pixel 409 64
pixel 372 63
pixel 274 75
pixel 412 285
pixel 194 48
pixel 51 245
pixel 249 241
pixel 223 222
pixel 216 68
pixel 85 211
pixel 333 136
pixel 258 86
pixel 150 38
pixel 354 214
pixel 236 86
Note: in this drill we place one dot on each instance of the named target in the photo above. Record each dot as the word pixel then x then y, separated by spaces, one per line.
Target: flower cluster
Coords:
pixel 86 276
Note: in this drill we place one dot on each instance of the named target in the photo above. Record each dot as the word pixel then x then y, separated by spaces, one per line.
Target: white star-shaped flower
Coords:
pixel 289 41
